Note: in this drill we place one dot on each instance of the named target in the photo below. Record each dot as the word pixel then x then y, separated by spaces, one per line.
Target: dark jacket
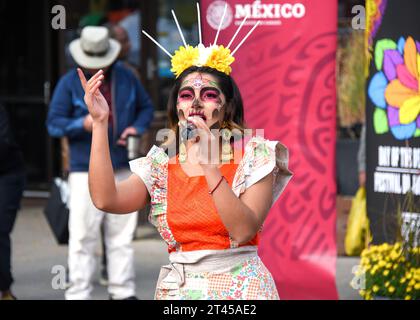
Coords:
pixel 131 107
pixel 11 159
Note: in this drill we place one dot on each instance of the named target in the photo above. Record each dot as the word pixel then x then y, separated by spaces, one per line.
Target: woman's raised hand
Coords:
pixel 95 101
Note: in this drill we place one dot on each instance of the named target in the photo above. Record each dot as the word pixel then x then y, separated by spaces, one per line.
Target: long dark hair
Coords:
pixel 233 115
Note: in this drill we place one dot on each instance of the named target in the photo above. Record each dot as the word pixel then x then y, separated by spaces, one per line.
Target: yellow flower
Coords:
pixel 394 255
pixel 386 272
pixel 407 297
pixel 409 289
pixel 385 246
pixel 216 57
pixel 375 288
pixel 220 59
pixel 391 289
pixel 183 58
pixel 417 286
pixel 387 284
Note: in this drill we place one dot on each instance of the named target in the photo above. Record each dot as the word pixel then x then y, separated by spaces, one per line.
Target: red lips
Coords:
pixel 199 114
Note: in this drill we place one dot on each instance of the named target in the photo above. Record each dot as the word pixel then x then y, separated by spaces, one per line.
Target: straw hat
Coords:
pixel 94 49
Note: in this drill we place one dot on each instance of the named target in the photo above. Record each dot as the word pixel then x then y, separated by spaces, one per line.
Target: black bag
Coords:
pixel 57 212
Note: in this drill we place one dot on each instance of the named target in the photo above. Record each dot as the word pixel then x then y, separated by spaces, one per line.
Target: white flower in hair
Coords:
pixel 203 54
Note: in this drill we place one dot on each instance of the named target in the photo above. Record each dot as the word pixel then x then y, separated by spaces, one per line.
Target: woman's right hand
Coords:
pixel 95 101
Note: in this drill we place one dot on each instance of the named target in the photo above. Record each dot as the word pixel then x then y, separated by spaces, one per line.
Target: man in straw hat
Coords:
pixel 131 114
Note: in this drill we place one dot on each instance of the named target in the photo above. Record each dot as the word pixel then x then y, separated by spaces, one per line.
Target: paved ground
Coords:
pixel 35 253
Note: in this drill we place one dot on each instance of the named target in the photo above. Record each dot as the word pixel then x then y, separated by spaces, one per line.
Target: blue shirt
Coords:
pixel 131 107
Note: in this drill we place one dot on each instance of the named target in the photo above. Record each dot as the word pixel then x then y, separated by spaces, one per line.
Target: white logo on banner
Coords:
pixel 267 13
pixel 215 13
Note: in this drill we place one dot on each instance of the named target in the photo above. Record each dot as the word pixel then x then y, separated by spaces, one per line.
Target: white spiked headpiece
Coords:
pixel 214 56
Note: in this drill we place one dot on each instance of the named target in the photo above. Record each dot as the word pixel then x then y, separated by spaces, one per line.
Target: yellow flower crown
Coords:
pixel 217 57
pixel 214 56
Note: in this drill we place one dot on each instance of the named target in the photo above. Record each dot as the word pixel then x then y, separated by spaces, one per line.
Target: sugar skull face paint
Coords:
pixel 197 83
pixel 201 96
pixel 206 95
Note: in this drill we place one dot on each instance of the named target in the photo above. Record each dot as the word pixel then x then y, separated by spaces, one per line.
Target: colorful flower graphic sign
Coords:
pixel 394 89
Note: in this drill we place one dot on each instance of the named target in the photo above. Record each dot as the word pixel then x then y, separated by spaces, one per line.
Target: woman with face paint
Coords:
pixel 206 100
pixel 208 198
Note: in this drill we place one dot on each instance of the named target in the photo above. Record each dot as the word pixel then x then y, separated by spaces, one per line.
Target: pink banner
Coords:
pixel 286 74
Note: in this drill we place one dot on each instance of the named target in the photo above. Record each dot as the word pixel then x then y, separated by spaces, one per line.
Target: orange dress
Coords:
pixel 192 215
pixel 205 262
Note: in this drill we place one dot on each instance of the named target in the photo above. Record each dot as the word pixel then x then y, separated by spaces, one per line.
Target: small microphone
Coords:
pixel 189 131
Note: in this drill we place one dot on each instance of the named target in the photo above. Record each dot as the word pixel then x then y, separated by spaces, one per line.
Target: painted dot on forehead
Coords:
pixel 197 82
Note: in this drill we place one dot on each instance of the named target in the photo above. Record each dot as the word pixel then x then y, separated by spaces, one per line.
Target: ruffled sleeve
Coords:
pixel 260 158
pixel 143 167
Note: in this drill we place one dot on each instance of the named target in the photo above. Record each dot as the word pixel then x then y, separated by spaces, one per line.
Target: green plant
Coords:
pixel 351 95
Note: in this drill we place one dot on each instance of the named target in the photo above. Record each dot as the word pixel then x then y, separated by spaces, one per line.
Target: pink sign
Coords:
pixel 286 74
